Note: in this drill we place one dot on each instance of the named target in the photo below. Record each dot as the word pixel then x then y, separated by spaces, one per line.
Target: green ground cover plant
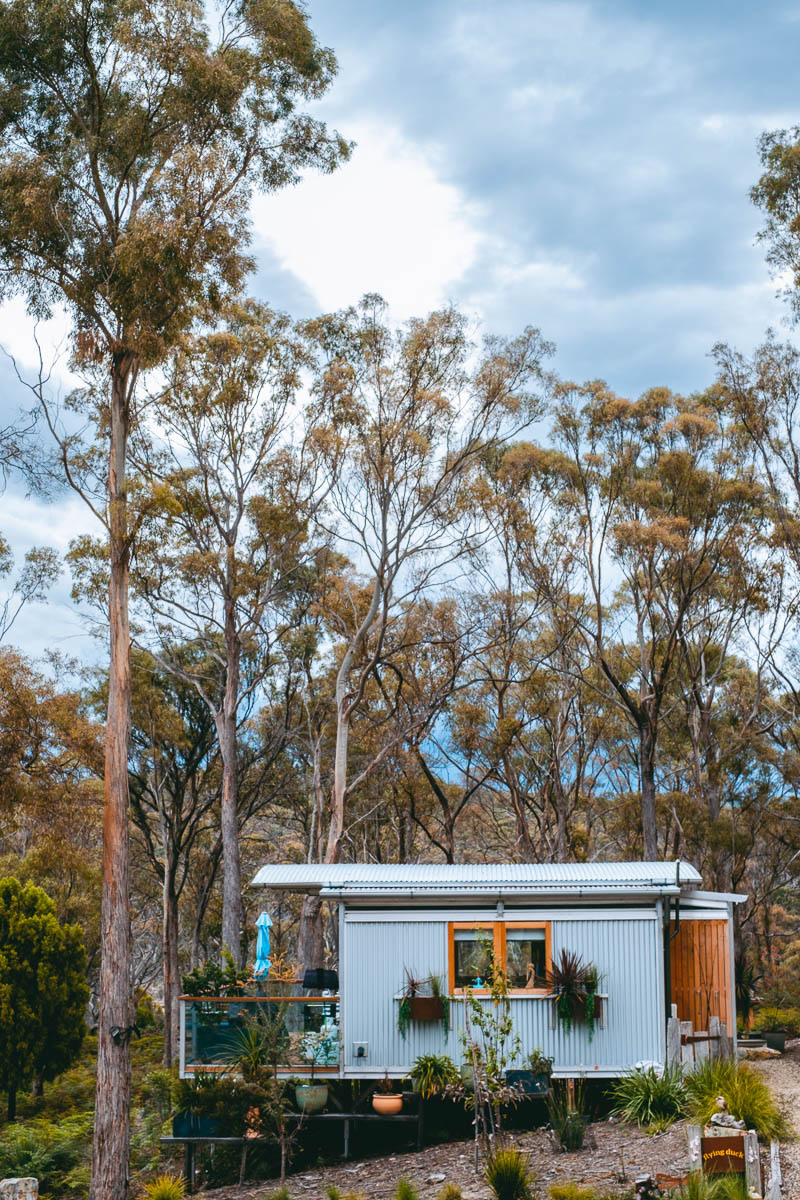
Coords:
pixel 54 1152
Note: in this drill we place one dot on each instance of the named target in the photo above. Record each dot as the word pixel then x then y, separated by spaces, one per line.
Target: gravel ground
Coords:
pixel 783 1076
pixel 614 1156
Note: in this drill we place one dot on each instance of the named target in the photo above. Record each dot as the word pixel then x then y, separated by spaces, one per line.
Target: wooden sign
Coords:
pixel 723 1155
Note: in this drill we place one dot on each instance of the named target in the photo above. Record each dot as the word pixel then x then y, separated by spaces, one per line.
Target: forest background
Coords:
pixel 397 591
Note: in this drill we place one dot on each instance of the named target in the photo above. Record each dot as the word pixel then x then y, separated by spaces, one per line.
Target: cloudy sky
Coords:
pixel 582 167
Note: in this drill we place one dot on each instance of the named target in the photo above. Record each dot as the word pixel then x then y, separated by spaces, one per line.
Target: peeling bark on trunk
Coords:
pixel 310 938
pixel 111 1142
pixel 225 722
pixel 170 969
pixel 229 829
pixel 647 783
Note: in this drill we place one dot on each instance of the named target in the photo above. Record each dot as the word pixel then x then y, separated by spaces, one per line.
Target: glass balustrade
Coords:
pixel 301 1031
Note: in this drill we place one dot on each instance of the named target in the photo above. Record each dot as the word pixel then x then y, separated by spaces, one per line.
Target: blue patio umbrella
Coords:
pixel 263 962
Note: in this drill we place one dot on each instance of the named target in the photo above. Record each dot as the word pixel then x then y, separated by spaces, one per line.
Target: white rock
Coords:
pixel 19 1189
pixel 436 1178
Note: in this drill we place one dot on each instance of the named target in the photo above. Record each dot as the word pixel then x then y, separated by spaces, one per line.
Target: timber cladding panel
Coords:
pixel 700 971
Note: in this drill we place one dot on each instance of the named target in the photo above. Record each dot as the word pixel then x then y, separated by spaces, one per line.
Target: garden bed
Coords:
pixel 616 1155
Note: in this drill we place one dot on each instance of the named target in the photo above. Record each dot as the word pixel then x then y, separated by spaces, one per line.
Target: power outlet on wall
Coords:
pixel 360 1050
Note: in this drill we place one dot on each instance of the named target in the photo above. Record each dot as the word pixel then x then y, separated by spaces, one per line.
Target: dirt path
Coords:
pixel 783 1076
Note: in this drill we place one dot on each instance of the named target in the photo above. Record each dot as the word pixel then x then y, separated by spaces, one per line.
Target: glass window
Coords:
pixel 472 955
pixel 526 958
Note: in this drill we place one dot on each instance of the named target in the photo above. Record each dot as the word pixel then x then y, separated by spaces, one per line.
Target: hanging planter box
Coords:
pixel 426 1008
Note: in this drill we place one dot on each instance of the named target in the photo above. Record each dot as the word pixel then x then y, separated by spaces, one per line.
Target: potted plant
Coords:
pixel 423 999
pixel 432 1073
pixel 534 1078
pixel 775 1025
pixel 315 1049
pixel 573 984
pixel 195 1101
pixel 385 1101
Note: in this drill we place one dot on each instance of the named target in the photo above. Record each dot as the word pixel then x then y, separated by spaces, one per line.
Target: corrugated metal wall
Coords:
pixel 626 952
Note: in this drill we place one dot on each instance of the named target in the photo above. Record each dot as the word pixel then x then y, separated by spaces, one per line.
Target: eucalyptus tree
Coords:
pixel 225 558
pixel 403 418
pixel 654 495
pixel 134 133
pixel 175 785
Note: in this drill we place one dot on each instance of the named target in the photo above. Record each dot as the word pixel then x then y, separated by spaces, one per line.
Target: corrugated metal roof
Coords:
pixel 474 878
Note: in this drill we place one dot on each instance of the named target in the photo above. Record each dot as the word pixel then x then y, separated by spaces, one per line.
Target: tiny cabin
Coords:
pixel 655 938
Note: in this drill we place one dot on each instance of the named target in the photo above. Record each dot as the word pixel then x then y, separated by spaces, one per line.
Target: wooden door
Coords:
pixel 700 969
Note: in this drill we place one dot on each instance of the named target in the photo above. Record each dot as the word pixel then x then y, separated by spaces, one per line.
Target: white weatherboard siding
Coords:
pixel 627 953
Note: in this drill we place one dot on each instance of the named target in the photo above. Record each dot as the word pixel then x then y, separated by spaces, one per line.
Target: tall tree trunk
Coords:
pixel 111 1142
pixel 12 1102
pixel 201 906
pixel 170 968
pixel 229 816
pixel 310 937
pixel 333 849
pixel 647 784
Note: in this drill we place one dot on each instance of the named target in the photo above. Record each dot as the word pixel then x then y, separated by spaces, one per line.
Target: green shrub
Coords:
pixel 281 1193
pixel 165 1187
pixel 787 1019
pixel 155 1093
pixel 449 1191
pixel 48 1150
pixel 509 1176
pixel 333 1192
pixel 405 1190
pixel 148 1016
pixel 747 1095
pixel 647 1099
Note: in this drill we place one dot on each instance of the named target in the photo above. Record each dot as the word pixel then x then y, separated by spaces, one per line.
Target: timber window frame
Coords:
pixel 497 934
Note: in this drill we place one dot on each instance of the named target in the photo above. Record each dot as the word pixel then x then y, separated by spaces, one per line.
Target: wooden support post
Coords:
pixel 673 1041
pixel 702 1049
pixel 693 1135
pixel 714 1048
pixel 752 1163
pixel 687 1049
pixel 188 1165
pixel 775 1181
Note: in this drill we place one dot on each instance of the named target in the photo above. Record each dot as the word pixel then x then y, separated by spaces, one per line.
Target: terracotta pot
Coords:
pixel 311 1097
pixel 387 1104
pixel 426 1008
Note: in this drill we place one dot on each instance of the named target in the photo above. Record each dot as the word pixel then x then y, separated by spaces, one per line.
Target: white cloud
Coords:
pixel 385 222
pixel 20 333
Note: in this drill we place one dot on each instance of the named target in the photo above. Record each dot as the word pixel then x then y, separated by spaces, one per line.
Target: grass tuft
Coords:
pixel 747 1095
pixel 509 1175
pixel 165 1187
pixel 405 1190
pixel 650 1100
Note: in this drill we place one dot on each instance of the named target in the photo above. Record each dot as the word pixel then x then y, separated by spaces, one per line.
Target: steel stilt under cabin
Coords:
pixel 654 939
